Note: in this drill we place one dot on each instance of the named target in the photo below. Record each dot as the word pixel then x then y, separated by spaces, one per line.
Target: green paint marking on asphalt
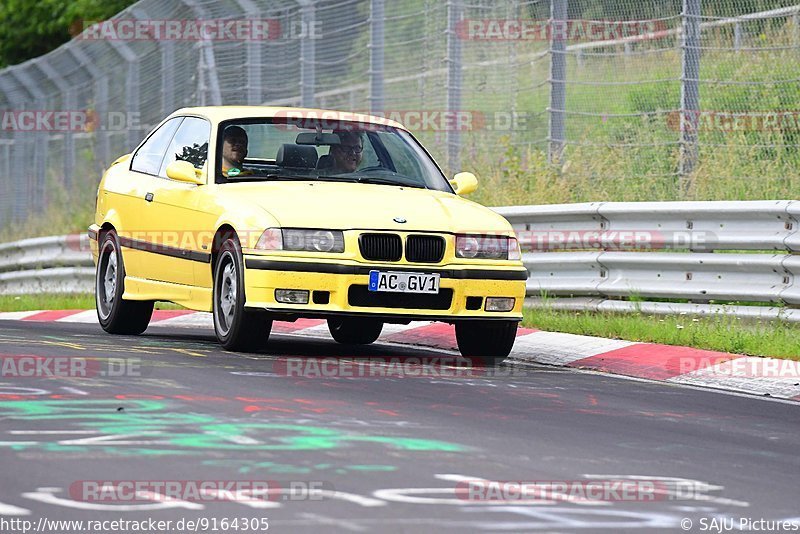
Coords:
pixel 81 409
pixel 158 432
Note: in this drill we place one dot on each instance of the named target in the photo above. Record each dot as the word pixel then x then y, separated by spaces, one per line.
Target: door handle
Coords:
pixel 149 197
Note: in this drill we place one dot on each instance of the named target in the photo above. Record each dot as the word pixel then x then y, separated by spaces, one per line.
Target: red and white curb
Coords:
pixel 772 377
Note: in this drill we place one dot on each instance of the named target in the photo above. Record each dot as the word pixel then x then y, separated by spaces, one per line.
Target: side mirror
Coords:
pixel 183 171
pixel 464 183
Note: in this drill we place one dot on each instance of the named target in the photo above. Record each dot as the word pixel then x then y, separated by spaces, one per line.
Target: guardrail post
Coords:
pixel 690 91
pixel 307 56
pixel 558 76
pixel 376 55
pixel 455 12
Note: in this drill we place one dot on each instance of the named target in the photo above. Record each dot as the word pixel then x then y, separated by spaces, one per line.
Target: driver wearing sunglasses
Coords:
pixel 347 154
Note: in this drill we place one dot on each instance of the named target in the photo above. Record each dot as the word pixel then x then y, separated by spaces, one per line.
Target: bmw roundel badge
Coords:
pixel 399 220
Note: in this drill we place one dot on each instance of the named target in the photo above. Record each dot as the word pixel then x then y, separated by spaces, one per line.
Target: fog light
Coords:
pixel 499 304
pixel 293 296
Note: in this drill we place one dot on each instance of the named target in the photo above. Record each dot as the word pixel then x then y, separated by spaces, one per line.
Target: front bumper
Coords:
pixel 264 275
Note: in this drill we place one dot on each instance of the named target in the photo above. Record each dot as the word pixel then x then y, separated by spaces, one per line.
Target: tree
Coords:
pixel 30 28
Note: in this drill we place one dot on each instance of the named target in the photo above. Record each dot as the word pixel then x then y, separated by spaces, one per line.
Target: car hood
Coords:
pixel 365 206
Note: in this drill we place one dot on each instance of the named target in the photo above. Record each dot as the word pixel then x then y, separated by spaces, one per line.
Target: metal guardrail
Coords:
pixel 604 256
pixel 615 256
pixel 57 264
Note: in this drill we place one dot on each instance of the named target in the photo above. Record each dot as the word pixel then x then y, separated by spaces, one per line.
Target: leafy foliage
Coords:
pixel 31 28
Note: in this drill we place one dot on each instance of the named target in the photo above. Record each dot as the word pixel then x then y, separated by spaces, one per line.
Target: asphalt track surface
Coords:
pixel 391 453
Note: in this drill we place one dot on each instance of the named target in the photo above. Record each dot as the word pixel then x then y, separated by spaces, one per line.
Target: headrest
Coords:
pixel 297 156
pixel 325 162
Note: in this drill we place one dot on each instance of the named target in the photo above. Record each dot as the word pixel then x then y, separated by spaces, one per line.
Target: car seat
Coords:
pixel 297 156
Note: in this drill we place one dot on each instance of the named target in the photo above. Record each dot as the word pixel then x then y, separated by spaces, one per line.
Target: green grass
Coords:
pixel 720 333
pixel 57 301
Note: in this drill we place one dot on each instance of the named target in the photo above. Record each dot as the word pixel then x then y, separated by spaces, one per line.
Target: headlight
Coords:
pixel 482 247
pixel 301 240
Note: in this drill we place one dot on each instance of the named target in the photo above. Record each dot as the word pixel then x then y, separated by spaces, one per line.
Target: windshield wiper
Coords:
pixel 386 181
pixel 292 177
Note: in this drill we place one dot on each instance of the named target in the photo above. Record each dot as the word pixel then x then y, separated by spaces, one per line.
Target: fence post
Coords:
pixel 101 131
pixel 455 12
pixel 737 36
pixel 207 64
pixel 69 103
pixel 167 76
pixel 15 147
pixel 690 91
pixel 376 55
pixel 307 56
pixel 31 181
pixel 558 78
pixel 132 100
pixel 253 51
pixel 254 90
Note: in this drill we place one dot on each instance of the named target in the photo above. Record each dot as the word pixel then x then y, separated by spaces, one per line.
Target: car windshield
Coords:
pixel 287 149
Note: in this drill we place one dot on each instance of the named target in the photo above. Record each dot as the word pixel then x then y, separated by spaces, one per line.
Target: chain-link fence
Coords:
pixel 547 100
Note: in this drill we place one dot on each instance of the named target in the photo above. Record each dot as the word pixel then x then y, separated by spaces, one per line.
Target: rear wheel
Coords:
pixel 354 331
pixel 237 328
pixel 486 342
pixel 117 316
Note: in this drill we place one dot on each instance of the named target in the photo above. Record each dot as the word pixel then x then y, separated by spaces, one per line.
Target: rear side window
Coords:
pixel 149 156
pixel 190 143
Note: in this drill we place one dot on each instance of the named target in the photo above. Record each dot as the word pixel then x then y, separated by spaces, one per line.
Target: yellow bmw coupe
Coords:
pixel 259 214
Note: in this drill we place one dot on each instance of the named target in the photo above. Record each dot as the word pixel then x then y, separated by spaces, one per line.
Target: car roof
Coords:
pixel 223 113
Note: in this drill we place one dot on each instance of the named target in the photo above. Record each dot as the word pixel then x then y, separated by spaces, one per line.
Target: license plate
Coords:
pixel 394 282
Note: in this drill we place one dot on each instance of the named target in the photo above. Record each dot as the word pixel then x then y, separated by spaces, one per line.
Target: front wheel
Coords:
pixel 237 328
pixel 117 316
pixel 489 342
pixel 355 331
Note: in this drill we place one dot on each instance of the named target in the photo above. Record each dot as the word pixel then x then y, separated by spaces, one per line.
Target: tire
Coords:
pixel 117 316
pixel 486 342
pixel 237 328
pixel 355 331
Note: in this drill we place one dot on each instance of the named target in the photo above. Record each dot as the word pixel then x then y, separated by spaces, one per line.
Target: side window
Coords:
pixel 148 158
pixel 189 144
pixel 369 158
pixel 402 157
